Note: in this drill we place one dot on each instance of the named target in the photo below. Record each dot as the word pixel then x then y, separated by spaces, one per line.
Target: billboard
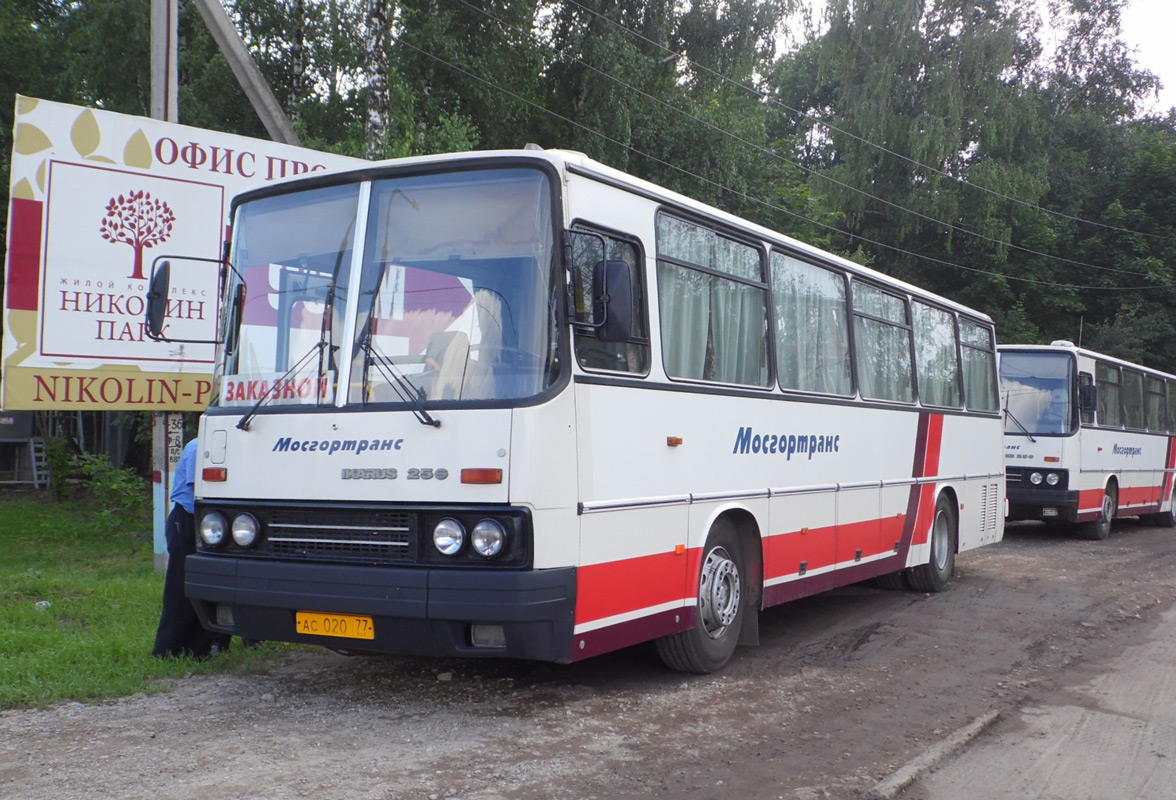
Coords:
pixel 95 198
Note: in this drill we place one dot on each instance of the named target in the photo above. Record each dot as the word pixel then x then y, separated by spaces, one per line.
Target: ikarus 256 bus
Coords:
pixel 521 404
pixel 1088 437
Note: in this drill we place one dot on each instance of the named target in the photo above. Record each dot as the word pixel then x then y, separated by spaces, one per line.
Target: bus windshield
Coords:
pixel 1038 393
pixel 456 298
pixel 292 252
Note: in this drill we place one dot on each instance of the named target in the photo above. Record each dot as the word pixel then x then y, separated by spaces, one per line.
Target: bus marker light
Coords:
pixel 1053 459
pixel 481 476
pixel 673 441
pixel 217 474
pixel 679 549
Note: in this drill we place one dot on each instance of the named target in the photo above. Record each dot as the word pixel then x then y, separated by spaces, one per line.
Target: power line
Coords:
pixel 815 173
pixel 757 200
pixel 830 126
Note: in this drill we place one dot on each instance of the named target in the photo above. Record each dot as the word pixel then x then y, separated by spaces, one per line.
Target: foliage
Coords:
pixel 938 140
pixel 61 466
pixel 120 491
pixel 79 604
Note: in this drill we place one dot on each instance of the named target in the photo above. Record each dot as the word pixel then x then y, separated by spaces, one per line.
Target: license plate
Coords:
pixel 346 626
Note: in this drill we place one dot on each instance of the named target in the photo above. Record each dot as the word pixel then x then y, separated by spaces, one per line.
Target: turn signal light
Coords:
pixel 481 476
pixel 218 474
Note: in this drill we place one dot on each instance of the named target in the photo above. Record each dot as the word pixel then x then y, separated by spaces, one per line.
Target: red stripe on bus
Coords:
pixel 618 587
pixel 1129 496
pixel 1170 463
pixel 1139 495
pixel 629 585
pixel 926 517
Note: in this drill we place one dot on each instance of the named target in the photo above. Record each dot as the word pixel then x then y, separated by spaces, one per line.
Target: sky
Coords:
pixel 1148 26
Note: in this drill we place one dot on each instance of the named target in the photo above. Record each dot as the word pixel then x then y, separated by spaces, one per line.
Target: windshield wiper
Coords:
pixel 272 391
pixel 1013 417
pixel 404 388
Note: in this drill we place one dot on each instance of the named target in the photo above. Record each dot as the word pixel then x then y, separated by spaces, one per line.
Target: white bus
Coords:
pixel 1088 437
pixel 521 404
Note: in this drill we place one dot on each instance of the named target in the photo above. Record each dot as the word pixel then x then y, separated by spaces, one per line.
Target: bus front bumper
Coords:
pixel 417 611
pixel 1043 504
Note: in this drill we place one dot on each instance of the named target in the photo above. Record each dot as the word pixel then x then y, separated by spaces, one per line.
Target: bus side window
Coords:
pixel 1087 397
pixel 591 254
pixel 812 327
pixel 980 381
pixel 882 345
pixel 1153 401
pixel 1171 405
pixel 1109 382
pixel 1133 405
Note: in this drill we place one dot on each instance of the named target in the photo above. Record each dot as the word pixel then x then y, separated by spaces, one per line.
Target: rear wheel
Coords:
pixel 1101 527
pixel 722 596
pixel 936 574
pixel 892 581
pixel 1165 519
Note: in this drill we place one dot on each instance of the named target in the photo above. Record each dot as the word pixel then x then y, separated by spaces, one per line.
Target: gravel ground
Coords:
pixel 844 688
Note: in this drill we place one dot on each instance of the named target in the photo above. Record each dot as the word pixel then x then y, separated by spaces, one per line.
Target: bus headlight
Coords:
pixel 488 538
pixel 448 537
pixel 212 529
pixel 245 529
pixel 1052 479
pixel 1035 478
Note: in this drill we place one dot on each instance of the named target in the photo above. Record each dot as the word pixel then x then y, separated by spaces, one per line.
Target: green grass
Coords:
pixel 96 570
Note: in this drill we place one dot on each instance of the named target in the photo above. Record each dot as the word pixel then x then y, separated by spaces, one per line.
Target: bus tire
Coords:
pixel 936 574
pixel 1165 519
pixel 722 607
pixel 1100 528
pixel 892 581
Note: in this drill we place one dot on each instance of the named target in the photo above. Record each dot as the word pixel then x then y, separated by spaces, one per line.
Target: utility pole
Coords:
pixel 167 428
pixel 257 89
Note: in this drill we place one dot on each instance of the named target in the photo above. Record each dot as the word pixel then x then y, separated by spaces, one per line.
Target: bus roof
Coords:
pixel 579 163
pixel 1062 346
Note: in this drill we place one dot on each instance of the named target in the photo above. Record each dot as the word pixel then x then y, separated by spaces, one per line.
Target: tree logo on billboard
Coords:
pixel 139 220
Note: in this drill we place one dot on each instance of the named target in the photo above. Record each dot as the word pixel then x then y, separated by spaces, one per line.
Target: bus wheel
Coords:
pixel 939 569
pixel 721 608
pixel 1101 527
pixel 892 581
pixel 1165 519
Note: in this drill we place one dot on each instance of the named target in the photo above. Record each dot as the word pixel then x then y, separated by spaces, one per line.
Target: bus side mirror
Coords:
pixel 233 327
pixel 1088 397
pixel 612 286
pixel 157 300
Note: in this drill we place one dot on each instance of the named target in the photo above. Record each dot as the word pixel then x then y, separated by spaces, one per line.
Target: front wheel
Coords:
pixel 1101 528
pixel 722 595
pixel 936 574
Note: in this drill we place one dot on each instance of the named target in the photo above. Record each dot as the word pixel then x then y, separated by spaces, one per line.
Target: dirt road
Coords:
pixel 844 688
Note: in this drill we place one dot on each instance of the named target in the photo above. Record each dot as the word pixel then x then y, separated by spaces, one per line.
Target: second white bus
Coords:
pixel 1088 437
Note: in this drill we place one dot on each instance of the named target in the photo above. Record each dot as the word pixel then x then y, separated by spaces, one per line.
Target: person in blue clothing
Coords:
pixel 180 632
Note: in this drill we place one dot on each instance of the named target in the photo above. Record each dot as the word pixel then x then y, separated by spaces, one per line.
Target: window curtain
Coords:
pixel 684 302
pixel 883 348
pixel 712 328
pixel 937 361
pixel 812 328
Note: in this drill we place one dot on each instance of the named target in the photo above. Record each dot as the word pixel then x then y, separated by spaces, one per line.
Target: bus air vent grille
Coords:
pixel 342 535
